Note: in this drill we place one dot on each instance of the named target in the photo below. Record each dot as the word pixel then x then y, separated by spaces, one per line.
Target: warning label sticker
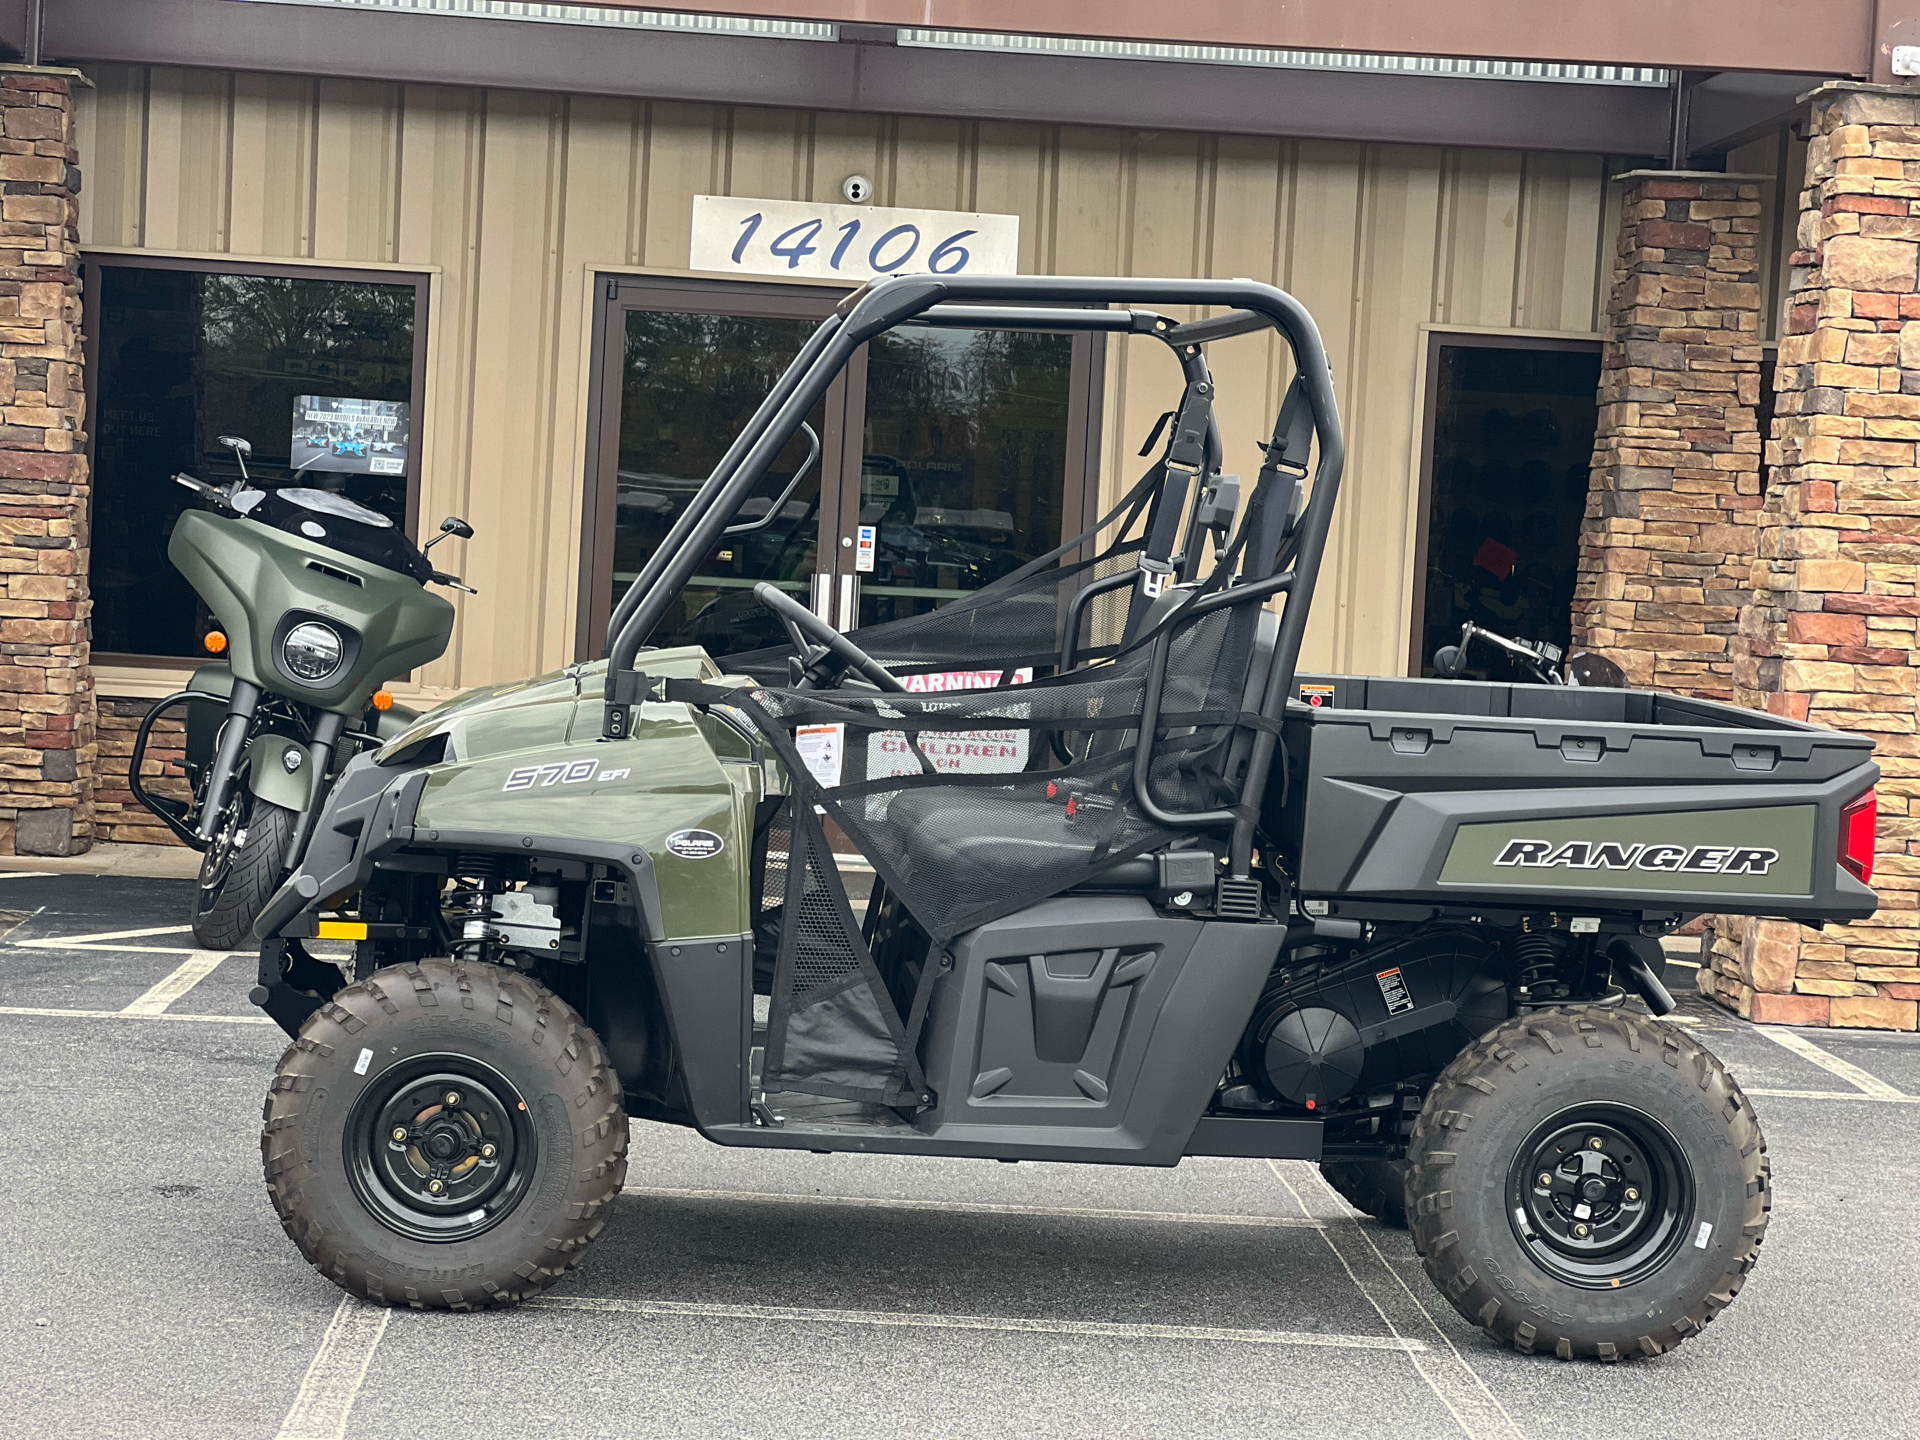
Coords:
pixel 1393 990
pixel 1320 697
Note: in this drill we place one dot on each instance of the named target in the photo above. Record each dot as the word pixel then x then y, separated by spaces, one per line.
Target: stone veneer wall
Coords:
pixel 117 817
pixel 1668 537
pixel 46 700
pixel 1829 635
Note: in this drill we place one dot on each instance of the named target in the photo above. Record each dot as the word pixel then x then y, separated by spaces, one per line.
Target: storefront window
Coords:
pixel 1510 446
pixel 316 372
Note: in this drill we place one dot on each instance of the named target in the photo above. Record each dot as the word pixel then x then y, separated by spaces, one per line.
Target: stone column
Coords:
pixel 1829 633
pixel 1675 491
pixel 46 684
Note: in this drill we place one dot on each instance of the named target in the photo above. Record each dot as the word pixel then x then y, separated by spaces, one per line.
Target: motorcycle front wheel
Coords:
pixel 241 868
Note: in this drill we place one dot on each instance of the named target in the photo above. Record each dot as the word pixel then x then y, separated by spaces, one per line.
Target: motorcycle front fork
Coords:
pixel 232 745
pixel 226 756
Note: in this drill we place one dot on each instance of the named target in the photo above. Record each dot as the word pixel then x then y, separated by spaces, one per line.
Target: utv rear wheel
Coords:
pixel 1588 1182
pixel 444 1135
pixel 1373 1187
pixel 241 868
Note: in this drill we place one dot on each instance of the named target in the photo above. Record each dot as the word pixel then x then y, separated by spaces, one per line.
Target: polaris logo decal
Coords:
pixel 695 844
pixel 1681 859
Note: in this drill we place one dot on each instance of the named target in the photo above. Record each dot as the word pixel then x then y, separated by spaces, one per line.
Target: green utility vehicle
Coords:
pixel 1150 894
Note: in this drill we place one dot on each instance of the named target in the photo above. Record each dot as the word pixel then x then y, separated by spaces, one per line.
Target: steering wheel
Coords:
pixel 808 629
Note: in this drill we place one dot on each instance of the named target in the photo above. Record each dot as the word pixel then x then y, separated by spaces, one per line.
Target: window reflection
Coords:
pixel 185 357
pixel 690 383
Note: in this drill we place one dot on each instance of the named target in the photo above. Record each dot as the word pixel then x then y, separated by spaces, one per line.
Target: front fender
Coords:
pixel 268 776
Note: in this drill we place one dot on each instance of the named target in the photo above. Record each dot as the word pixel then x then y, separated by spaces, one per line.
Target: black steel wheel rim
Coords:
pixel 440 1148
pixel 1600 1196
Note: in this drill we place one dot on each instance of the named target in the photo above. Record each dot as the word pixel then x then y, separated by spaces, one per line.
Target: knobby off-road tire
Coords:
pixel 1523 1106
pixel 1373 1187
pixel 533 1087
pixel 237 881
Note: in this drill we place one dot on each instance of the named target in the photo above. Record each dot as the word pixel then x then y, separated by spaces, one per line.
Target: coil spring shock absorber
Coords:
pixel 1539 967
pixel 487 875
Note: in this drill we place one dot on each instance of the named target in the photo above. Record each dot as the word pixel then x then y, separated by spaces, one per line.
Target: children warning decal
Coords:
pixel 952 752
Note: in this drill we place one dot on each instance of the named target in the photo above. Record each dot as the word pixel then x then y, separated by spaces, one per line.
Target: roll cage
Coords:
pixel 1275 556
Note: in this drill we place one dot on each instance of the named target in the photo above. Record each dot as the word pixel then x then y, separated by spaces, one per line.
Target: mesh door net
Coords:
pixel 1032 794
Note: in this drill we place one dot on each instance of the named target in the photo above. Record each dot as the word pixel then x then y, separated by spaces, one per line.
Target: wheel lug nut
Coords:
pixel 1545 1178
pixel 399 1132
pixel 453 1099
pixel 434 1187
pixel 486 1152
pixel 1632 1194
pixel 1580 1231
pixel 1593 1144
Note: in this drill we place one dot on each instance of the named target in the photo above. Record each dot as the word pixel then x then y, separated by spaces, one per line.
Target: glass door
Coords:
pixel 964 465
pixel 948 458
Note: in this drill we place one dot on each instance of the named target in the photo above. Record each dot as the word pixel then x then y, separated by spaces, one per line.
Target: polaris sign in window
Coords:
pixel 354 437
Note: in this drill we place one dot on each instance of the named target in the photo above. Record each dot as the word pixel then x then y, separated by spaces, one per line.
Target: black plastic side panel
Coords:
pixel 708 989
pixel 1265 1138
pixel 1160 1035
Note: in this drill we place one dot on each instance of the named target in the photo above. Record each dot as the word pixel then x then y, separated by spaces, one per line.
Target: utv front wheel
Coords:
pixel 444 1135
pixel 241 868
pixel 1588 1182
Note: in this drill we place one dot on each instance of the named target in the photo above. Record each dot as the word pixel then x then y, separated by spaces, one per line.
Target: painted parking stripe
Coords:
pixel 50 1013
pixel 1894 1099
pixel 1455 1383
pixel 59 942
pixel 334 1378
pixel 25 874
pixel 1860 1080
pixel 196 968
pixel 968 1207
pixel 898 1319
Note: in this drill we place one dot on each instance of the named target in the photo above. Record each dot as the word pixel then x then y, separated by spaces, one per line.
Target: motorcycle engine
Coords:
pixel 1365 1020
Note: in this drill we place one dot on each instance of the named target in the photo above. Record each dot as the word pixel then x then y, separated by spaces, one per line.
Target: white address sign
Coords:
pixel 848 242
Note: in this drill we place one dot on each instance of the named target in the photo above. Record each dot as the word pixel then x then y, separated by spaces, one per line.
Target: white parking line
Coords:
pixel 49 1013
pixel 1866 1084
pixel 1453 1381
pixel 969 1207
pixel 68 942
pixel 24 874
pixel 334 1378
pixel 793 1315
pixel 196 968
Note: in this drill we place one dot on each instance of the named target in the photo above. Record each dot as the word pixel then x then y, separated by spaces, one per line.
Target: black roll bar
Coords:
pixel 878 307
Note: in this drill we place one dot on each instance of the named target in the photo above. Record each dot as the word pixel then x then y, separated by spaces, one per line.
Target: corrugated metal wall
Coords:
pixel 515 197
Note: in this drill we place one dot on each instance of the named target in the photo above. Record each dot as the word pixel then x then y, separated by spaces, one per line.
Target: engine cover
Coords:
pixel 1373 1018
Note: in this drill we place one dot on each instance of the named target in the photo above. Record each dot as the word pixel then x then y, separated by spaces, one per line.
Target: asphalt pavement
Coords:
pixel 146 1288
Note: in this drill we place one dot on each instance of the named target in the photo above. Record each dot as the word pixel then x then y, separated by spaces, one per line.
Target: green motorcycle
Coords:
pixel 320 602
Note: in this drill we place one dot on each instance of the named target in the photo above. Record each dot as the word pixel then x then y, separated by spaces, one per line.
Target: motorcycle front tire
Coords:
pixel 236 879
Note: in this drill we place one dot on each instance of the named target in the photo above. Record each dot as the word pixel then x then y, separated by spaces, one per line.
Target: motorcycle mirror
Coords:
pixel 237 443
pixel 1450 662
pixel 452 525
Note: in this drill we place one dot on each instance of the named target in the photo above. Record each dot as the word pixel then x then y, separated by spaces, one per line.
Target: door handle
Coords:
pixel 849 603
pixel 823 597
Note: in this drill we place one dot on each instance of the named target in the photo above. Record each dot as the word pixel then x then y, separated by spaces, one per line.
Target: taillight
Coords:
pixel 1858 820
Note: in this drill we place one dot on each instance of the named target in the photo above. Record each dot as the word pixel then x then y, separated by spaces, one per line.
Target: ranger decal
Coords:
pixel 1610 855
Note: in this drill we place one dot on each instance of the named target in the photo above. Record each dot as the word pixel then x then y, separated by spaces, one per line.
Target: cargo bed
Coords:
pixel 1450 792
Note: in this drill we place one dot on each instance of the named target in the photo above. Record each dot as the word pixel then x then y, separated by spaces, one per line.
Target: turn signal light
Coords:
pixel 383 700
pixel 215 642
pixel 1858 821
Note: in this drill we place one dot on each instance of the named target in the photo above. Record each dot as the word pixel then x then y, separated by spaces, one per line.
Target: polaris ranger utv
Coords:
pixel 1152 894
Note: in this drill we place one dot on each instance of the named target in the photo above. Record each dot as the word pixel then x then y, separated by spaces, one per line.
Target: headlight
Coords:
pixel 311 651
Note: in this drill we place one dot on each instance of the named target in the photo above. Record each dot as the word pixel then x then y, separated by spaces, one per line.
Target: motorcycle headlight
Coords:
pixel 311 651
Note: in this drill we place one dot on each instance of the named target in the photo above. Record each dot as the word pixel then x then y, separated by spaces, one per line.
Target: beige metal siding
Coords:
pixel 517 197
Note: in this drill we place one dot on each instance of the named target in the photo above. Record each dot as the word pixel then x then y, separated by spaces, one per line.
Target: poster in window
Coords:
pixel 352 437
